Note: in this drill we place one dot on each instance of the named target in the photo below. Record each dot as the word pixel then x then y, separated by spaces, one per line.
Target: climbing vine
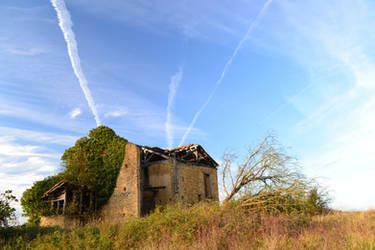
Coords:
pixel 94 161
pixel 32 206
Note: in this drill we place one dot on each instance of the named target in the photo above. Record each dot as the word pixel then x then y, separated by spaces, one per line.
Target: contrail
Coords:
pixel 226 67
pixel 173 86
pixel 66 24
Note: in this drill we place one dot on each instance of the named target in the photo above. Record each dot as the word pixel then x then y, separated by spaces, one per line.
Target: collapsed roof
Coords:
pixel 191 153
pixel 60 187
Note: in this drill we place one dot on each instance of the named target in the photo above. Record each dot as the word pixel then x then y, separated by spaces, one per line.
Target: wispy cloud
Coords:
pixel 195 19
pixel 253 24
pixel 18 183
pixel 40 137
pixel 116 113
pixel 4 111
pixel 26 52
pixel 66 24
pixel 74 113
pixel 22 162
pixel 173 86
pixel 17 175
pixel 9 148
pixel 41 115
pixel 36 164
pixel 337 108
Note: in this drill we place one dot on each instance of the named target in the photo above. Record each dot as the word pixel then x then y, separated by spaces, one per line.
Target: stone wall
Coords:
pixel 161 174
pixel 190 182
pixel 60 220
pixel 125 200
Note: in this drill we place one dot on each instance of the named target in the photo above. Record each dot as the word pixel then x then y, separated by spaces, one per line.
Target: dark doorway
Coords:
pixel 207 186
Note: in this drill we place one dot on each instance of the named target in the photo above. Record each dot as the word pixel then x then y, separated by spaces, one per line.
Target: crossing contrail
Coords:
pixel 66 24
pixel 226 67
pixel 173 86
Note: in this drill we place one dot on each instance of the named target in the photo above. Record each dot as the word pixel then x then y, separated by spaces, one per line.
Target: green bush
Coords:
pixel 310 200
pixel 93 161
pixel 31 202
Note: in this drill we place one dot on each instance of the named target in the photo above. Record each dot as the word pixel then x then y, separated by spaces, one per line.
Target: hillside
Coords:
pixel 207 226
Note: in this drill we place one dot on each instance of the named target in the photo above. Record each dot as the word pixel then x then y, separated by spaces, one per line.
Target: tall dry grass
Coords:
pixel 209 226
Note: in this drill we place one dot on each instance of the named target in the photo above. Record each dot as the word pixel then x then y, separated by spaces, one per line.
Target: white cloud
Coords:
pixel 74 113
pixel 39 137
pixel 21 165
pixel 35 164
pixel 8 148
pixel 41 115
pixel 26 52
pixel 18 183
pixel 3 111
pixel 116 113
pixel 173 86
pixel 66 24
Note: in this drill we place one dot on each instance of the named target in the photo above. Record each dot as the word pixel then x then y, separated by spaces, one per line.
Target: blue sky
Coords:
pixel 305 70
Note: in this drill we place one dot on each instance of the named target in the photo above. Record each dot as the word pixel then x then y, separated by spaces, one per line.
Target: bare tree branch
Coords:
pixel 266 167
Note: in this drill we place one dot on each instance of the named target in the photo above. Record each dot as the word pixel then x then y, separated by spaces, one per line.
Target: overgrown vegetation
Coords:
pixel 269 180
pixel 31 202
pixel 7 212
pixel 93 161
pixel 269 205
pixel 207 226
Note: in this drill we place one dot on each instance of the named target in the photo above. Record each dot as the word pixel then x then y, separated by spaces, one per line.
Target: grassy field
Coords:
pixel 207 226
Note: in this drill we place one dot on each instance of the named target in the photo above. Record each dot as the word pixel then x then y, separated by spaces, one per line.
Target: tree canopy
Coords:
pixel 6 210
pixel 94 161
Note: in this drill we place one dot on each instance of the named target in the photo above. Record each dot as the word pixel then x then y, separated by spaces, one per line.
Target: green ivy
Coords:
pixel 93 161
pixel 33 207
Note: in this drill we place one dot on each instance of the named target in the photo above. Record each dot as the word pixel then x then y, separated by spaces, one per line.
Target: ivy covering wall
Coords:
pixel 94 161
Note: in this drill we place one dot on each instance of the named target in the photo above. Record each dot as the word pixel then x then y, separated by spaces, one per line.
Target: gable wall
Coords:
pixel 125 200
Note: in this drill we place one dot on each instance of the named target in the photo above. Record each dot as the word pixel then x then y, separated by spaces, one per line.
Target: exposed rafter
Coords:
pixel 191 153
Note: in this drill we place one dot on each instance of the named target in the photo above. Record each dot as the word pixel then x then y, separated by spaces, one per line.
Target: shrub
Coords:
pixel 93 161
pixel 31 202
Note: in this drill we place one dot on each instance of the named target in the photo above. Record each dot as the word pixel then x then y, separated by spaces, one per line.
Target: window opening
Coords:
pixel 207 186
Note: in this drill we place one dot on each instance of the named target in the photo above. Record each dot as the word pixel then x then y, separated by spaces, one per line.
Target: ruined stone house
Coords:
pixel 149 176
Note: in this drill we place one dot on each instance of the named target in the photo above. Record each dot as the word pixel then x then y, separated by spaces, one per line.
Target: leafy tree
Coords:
pixel 75 162
pixel 317 200
pixel 7 212
pixel 93 161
